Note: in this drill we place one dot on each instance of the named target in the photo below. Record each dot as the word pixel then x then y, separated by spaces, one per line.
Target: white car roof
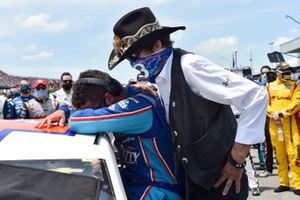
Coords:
pixel 24 145
pixel 35 145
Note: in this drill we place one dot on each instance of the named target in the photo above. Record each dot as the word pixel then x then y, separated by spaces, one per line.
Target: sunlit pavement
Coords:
pixel 268 184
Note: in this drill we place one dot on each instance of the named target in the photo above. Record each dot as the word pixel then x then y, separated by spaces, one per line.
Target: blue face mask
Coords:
pixel 151 65
pixel 41 94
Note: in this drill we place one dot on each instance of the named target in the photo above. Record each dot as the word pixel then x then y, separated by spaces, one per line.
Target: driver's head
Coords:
pixel 95 89
pixel 283 71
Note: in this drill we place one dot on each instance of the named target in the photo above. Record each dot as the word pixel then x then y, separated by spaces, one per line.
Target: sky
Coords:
pixel 46 38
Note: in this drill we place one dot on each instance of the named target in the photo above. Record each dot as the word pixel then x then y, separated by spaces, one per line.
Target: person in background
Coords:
pixel 41 105
pixel 63 96
pixel 267 76
pixel 284 102
pixel 141 129
pixel 196 93
pixel 252 177
pixel 247 73
pixel 52 86
pixel 15 107
pixel 3 104
pixel 13 92
pixel 264 70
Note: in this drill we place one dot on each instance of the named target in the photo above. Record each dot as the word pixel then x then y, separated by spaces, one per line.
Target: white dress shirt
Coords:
pixel 219 85
pixel 63 98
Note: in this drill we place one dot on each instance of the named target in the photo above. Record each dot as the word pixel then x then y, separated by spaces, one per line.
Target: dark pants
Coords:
pixel 198 193
pixel 268 148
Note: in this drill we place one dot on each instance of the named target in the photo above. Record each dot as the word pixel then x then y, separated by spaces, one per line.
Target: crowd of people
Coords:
pixel 188 138
pixel 35 100
pixel 281 129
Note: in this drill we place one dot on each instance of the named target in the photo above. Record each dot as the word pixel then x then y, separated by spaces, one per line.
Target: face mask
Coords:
pixel 67 86
pixel 25 89
pixel 286 76
pixel 264 78
pixel 151 65
pixel 41 94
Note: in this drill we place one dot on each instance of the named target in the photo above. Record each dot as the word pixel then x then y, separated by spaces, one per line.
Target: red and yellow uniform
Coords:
pixel 284 98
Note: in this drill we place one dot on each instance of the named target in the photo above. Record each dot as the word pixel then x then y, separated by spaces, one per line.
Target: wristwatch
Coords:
pixel 234 163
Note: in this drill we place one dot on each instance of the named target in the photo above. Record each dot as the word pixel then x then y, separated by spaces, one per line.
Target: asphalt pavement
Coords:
pixel 268 184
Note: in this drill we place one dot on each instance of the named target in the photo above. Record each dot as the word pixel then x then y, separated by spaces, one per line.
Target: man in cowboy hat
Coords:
pixel 197 93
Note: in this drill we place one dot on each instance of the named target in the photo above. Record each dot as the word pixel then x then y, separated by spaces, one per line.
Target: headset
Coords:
pixel 111 85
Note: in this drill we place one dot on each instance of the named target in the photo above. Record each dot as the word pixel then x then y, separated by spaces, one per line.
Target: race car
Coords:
pixel 55 164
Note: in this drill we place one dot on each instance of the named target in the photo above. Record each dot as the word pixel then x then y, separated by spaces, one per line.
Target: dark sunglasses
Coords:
pixel 132 57
pixel 25 86
pixel 41 87
pixel 67 81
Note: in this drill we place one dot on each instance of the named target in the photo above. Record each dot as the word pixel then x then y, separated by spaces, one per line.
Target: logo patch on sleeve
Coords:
pixel 124 103
pixel 134 100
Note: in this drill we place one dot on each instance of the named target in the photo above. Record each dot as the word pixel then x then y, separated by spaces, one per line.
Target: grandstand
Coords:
pixel 9 81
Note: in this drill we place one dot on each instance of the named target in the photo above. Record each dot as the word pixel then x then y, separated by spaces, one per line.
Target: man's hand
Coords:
pixel 230 173
pixel 146 88
pixel 57 116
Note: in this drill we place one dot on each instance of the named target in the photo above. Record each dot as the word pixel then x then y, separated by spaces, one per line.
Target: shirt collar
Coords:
pixel 165 73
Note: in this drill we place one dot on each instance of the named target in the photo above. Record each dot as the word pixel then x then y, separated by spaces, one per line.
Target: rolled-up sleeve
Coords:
pixel 222 86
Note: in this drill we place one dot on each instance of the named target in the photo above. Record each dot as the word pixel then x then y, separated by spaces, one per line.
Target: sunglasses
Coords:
pixel 67 81
pixel 25 86
pixel 41 87
pixel 132 57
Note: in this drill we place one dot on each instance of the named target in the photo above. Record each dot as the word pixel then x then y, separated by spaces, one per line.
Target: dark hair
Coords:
pixel 265 67
pixel 65 74
pixel 164 39
pixel 84 93
pixel 247 70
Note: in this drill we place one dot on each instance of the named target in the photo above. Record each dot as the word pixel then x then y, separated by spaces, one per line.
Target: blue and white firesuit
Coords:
pixel 15 108
pixel 146 140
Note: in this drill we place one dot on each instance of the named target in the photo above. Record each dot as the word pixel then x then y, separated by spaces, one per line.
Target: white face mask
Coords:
pixel 264 77
pixel 41 94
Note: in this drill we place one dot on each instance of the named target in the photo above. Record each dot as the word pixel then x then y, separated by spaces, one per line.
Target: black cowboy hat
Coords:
pixel 133 30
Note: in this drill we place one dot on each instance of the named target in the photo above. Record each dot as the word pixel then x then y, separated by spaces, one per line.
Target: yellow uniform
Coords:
pixel 284 97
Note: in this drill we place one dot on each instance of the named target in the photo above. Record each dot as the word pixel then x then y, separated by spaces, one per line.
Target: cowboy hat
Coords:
pixel 132 31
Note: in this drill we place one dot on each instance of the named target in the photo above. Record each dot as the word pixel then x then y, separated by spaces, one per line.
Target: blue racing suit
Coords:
pixel 141 129
pixel 15 108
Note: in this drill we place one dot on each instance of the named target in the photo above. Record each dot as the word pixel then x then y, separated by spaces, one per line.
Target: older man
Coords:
pixel 196 93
